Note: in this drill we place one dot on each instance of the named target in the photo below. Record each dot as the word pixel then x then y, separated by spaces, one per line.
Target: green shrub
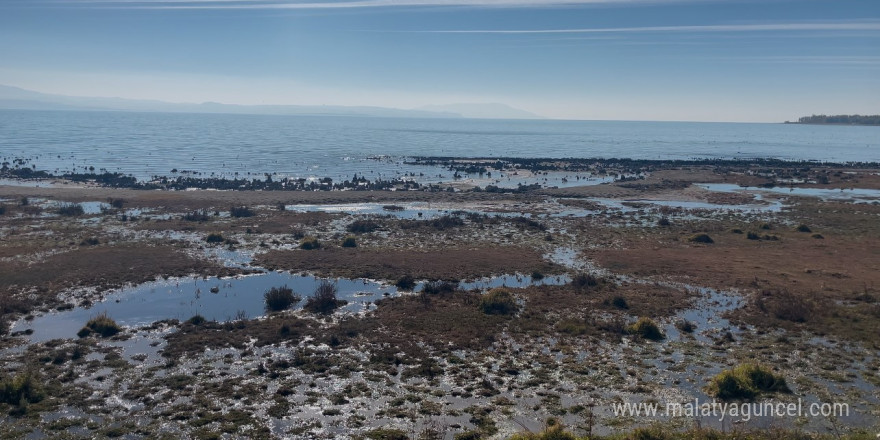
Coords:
pixel 197 216
pixel 619 302
pixel 744 382
pixel 71 210
pixel 554 431
pixel 214 238
pixel 309 243
pixel 349 242
pixel 406 282
pixel 803 228
pixel 91 241
pixel 438 287
pixel 685 326
pixel 701 238
pixel 323 301
pixel 101 325
pixel 240 211
pixel 646 328
pixel 280 298
pixel 197 320
pixel 583 280
pixel 20 390
pixel 498 301
pixel 386 434
pixel 362 226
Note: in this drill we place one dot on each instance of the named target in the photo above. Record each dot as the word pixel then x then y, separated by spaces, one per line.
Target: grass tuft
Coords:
pixel 745 382
pixel 701 238
pixel 309 243
pixel 101 325
pixel 646 328
pixel 498 301
pixel 280 298
pixel 323 301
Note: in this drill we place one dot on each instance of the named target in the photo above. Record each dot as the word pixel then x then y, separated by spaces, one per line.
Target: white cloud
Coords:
pixel 268 4
pixel 872 25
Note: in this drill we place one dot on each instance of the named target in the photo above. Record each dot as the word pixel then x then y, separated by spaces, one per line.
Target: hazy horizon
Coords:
pixel 663 60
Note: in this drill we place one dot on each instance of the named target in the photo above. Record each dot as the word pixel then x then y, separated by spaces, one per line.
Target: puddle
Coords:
pixel 630 205
pixel 226 299
pixel 404 211
pixel 706 314
pixel 855 195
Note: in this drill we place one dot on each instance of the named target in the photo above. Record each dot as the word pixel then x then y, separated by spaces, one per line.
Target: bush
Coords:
pixel 619 302
pixel 386 434
pixel 197 216
pixel 753 236
pixel 554 431
pixel 101 325
pixel 818 236
pixel 2 209
pixel 280 298
pixel 214 238
pixel 117 203
pixel 664 221
pixel 685 326
pixel 803 228
pixel 349 242
pixel 197 320
pixel 362 226
pixel 22 389
pixel 736 231
pixel 323 301
pixel 744 382
pixel 583 280
pixel 91 241
pixel 537 276
pixel 240 211
pixel 406 282
pixel 766 226
pixel 309 243
pixel 701 238
pixel 71 210
pixel 438 287
pixel 646 328
pixel 788 306
pixel 498 301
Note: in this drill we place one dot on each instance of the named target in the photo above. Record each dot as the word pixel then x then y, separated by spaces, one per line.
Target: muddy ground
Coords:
pixel 788 281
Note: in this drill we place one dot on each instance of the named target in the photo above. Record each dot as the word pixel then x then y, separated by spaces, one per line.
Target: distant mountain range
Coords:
pixel 21 99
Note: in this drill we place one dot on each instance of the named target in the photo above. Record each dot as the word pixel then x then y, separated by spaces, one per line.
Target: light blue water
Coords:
pixel 147 144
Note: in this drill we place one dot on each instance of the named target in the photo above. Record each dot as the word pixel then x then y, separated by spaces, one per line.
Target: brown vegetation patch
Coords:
pixel 195 338
pixel 812 283
pixel 99 266
pixel 391 264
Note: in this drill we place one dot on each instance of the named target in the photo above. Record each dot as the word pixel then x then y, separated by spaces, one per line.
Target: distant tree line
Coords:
pixel 841 119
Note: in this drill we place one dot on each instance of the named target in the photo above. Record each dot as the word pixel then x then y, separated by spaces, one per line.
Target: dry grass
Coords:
pixel 391 264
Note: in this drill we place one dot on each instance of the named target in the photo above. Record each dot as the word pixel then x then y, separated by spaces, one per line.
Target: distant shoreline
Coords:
pixel 866 120
pixel 832 123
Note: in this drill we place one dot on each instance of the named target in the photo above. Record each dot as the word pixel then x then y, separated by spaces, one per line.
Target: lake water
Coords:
pixel 148 144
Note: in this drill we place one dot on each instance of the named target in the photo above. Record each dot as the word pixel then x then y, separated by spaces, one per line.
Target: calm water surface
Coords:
pixel 148 144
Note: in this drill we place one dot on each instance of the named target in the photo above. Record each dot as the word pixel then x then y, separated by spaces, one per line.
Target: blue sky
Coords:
pixel 704 60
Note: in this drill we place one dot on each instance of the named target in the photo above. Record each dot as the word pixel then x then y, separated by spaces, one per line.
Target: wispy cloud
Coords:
pixel 332 4
pixel 871 25
pixel 809 59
